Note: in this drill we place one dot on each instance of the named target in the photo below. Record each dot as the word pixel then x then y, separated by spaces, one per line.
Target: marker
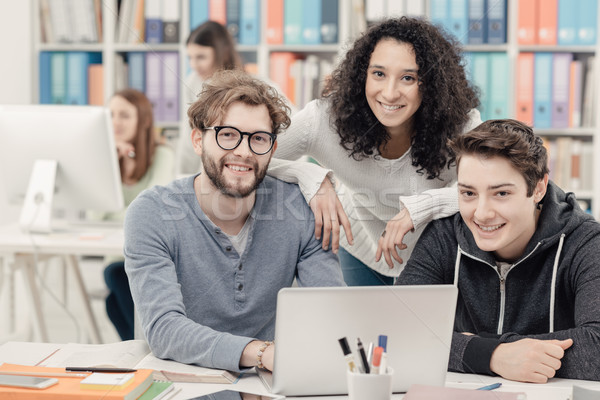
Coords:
pixel 363 356
pixel 490 387
pixel 376 364
pixel 92 369
pixel 347 354
pixel 383 345
pixel 370 352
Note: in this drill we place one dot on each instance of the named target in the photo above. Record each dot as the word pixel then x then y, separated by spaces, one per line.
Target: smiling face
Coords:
pixel 494 204
pixel 124 118
pixel 392 86
pixel 202 59
pixel 237 172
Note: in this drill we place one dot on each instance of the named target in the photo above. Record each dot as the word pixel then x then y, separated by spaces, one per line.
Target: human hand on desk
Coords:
pixel 329 215
pixel 529 360
pixel 250 356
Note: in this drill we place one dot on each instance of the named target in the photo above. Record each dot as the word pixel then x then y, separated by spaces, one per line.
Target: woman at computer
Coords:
pixel 397 96
pixel 144 163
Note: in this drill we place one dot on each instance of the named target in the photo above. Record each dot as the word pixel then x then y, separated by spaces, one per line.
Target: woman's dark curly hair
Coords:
pixel 446 94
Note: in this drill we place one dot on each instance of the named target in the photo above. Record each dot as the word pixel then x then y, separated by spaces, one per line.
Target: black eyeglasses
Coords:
pixel 228 138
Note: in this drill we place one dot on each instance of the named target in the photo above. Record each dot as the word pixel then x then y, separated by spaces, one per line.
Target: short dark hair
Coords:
pixel 447 95
pixel 227 87
pixel 213 34
pixel 510 139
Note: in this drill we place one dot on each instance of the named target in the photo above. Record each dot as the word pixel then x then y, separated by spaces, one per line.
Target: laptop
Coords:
pixel 418 321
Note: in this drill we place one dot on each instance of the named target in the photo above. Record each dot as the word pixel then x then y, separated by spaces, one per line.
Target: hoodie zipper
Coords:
pixel 502 282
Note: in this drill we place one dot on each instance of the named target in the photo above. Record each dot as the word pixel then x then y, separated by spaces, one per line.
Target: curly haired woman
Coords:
pixel 381 126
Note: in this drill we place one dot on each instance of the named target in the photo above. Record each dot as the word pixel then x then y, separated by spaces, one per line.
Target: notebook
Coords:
pixel 418 321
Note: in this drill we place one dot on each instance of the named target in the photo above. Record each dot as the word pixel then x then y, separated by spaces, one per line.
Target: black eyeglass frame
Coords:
pixel 249 134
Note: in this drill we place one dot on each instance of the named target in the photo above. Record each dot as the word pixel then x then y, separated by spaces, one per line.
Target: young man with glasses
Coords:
pixel 207 254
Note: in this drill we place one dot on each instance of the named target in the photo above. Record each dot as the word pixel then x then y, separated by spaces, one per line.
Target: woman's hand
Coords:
pixel 329 215
pixel 126 155
pixel 391 238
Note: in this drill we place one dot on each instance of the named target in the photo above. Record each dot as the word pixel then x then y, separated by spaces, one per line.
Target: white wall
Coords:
pixel 16 54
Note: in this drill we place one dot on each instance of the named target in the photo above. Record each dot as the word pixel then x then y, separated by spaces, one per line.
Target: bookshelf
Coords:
pixel 351 19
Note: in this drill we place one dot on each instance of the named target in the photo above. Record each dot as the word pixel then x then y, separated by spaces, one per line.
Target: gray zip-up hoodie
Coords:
pixel 552 291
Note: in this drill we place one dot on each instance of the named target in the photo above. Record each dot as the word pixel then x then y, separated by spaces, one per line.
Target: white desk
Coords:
pixel 22 250
pixel 557 389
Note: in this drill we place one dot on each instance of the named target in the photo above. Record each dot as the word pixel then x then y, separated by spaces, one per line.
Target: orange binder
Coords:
pixel 280 65
pixel 527 27
pixel 575 93
pixel 217 11
pixel 96 85
pixel 547 21
pixel 274 21
pixel 68 388
pixel 524 111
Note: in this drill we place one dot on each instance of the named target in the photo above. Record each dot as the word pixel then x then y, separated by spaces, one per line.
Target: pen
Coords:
pixel 347 354
pixel 376 364
pixel 45 374
pixel 363 356
pixel 383 344
pixel 490 387
pixel 102 369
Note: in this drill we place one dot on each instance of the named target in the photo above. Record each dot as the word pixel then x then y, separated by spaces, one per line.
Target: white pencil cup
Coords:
pixel 370 386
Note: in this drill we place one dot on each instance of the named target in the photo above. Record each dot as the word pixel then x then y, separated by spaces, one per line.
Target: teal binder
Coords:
pixel 292 21
pixel 77 76
pixel 542 90
pixel 498 84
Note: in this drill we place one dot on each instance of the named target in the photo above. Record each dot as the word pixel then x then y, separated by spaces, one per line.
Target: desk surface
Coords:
pixel 557 389
pixel 84 239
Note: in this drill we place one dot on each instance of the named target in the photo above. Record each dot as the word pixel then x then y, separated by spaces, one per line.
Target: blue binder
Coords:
pixel 198 13
pixel 477 22
pixel 568 11
pixel 496 28
pixel 480 78
pixel 250 22
pixel 329 21
pixel 232 13
pixel 77 75
pixel 498 86
pixel 45 77
pixel 542 90
pixel 458 20
pixel 292 21
pixel 311 22
pixel 588 30
pixel 136 71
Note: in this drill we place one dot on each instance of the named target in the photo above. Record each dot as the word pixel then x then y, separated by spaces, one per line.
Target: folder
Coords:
pixel 274 31
pixel 292 21
pixel 83 21
pixel 58 81
pixel 311 22
pixel 438 13
pixel 170 87
pixel 45 77
pixel 217 11
pixel 480 77
pixel 542 95
pixel 125 23
pixel 154 29
pixel 575 93
pixel 498 86
pixel 527 23
pixel 198 13
pixel 232 14
pixel 477 22
pixel 153 83
pixel 496 27
pixel 96 85
pixel 588 104
pixel 567 21
pixel 561 67
pixel 250 22
pixel 59 17
pixel 524 95
pixel 547 21
pixel 458 20
pixel 329 21
pixel 279 66
pixel 69 388
pixel 136 71
pixel 171 15
pixel 138 33
pixel 77 77
pixel 587 19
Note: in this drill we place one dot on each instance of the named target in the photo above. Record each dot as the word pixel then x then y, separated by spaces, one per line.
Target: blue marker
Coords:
pixel 490 387
pixel 383 343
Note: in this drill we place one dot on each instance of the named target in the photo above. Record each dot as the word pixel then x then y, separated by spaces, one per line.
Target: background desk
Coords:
pixel 22 250
pixel 557 389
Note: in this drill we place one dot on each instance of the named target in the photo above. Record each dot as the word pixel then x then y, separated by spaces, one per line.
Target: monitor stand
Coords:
pixel 36 215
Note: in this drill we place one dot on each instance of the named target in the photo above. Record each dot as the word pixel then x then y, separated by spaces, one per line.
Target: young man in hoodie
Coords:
pixel 525 258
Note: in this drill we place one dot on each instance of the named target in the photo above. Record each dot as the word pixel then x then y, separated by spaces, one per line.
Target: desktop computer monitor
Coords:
pixel 58 158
